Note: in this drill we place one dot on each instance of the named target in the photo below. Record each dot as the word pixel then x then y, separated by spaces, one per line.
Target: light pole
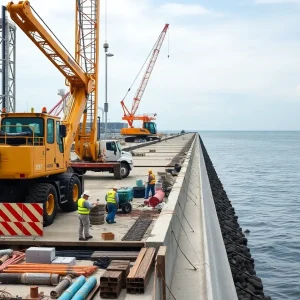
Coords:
pixel 106 46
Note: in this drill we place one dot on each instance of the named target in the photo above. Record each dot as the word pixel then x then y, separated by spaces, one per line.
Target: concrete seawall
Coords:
pixel 196 262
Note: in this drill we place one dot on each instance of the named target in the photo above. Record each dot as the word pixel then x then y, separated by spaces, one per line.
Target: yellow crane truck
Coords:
pixel 35 147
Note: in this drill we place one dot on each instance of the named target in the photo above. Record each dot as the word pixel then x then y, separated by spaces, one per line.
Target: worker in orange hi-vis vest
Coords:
pixel 150 184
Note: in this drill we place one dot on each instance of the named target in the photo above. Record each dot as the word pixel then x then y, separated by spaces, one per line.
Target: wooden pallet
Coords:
pixel 111 284
pixel 115 255
pixel 120 265
pixel 139 274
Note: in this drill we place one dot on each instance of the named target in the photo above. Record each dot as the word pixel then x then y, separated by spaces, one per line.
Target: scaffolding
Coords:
pixel 8 63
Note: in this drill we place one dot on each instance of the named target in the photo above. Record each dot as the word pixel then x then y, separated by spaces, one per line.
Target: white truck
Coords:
pixel 112 159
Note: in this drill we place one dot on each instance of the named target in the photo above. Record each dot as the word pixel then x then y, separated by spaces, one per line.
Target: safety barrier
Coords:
pixel 167 228
pixel 21 219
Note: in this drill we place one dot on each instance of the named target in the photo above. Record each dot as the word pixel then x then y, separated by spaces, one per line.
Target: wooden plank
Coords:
pixel 161 272
pixel 93 292
pixel 146 264
pixel 136 264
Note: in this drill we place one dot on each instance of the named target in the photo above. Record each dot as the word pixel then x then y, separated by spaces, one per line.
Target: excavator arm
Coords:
pixel 81 84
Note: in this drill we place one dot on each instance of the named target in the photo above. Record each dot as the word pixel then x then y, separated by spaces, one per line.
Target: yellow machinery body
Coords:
pixel 35 147
pixel 31 146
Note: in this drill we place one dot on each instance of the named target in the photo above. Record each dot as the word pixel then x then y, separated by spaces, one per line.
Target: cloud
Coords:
pixel 178 9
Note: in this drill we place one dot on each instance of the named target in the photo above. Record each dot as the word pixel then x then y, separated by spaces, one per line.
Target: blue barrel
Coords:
pixel 139 183
pixel 85 289
pixel 71 291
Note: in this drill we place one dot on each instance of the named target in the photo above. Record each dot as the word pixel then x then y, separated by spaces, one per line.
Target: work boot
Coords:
pixel 82 239
pixel 107 221
pixel 89 237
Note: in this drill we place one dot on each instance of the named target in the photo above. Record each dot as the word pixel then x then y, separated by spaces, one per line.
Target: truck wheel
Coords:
pixel 44 193
pixel 124 170
pixel 73 194
pixel 126 208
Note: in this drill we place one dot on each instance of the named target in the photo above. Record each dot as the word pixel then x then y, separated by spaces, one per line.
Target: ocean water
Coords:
pixel 260 172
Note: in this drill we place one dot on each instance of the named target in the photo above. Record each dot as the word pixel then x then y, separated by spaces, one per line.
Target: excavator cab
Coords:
pixel 150 126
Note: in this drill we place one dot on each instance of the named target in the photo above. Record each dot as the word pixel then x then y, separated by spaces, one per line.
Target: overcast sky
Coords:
pixel 234 65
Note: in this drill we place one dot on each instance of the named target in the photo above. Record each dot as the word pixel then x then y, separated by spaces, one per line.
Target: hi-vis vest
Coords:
pixel 152 179
pixel 81 209
pixel 111 197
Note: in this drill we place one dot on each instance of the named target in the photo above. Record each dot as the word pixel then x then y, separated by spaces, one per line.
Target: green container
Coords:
pixel 125 195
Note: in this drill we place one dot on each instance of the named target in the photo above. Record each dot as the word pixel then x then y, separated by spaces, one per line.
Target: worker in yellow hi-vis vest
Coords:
pixel 112 200
pixel 84 216
pixel 151 184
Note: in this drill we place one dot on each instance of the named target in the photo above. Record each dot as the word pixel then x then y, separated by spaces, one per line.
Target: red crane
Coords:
pixel 130 116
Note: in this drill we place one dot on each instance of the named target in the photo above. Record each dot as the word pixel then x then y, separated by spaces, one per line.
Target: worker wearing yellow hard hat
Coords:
pixel 150 184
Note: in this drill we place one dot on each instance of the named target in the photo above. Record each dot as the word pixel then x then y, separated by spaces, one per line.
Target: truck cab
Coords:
pixel 112 152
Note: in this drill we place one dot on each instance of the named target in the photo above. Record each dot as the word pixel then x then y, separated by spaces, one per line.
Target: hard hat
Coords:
pixel 115 188
pixel 86 193
pixel 149 171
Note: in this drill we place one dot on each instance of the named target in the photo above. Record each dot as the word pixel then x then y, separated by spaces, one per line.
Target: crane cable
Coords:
pixel 54 35
pixel 142 67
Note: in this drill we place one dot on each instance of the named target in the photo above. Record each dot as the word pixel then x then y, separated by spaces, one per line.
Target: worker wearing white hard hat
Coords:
pixel 112 200
pixel 84 208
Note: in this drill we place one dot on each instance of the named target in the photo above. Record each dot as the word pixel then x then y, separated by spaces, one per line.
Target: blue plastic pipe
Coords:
pixel 71 291
pixel 85 289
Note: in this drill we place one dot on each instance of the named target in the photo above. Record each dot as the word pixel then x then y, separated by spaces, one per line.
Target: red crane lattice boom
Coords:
pixel 130 116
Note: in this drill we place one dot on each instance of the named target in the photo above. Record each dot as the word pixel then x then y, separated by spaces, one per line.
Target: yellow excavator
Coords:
pixel 35 147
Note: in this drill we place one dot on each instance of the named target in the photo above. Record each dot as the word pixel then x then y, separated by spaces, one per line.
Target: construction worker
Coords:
pixel 150 184
pixel 84 216
pixel 112 200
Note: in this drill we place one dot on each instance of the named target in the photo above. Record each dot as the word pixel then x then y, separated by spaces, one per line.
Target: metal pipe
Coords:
pixel 6 252
pixel 12 278
pixel 60 288
pixel 40 278
pixel 85 289
pixel 71 291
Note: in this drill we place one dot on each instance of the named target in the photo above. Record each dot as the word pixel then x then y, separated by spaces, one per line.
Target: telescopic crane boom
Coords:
pixel 130 116
pixel 35 147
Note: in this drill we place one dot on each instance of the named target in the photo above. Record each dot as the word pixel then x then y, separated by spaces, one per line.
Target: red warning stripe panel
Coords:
pixel 7 226
pixel 19 219
pixel 29 214
pixel 38 208
pixel 36 227
pixel 12 208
